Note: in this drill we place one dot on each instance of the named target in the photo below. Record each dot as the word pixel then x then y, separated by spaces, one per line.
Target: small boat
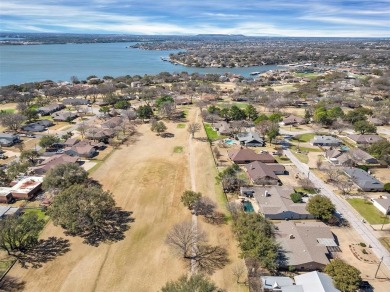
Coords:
pixel 254 73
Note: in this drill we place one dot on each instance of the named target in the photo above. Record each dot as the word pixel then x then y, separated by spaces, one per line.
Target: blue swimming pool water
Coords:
pixel 247 207
pixel 229 141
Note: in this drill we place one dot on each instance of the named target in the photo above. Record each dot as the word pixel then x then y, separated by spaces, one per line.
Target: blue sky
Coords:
pixel 327 18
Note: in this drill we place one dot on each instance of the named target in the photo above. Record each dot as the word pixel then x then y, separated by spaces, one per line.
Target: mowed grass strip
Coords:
pixel 212 135
pixel 304 137
pixel 178 149
pixel 385 242
pixel 368 211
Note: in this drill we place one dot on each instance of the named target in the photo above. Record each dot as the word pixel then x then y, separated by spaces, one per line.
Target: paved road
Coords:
pixel 355 220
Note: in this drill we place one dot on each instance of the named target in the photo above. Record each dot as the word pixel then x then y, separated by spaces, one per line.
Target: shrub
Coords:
pixel 387 187
pixel 364 251
pixel 296 198
pixel 362 244
pixel 363 167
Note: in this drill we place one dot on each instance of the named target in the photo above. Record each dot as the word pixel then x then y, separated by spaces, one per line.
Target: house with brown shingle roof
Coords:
pixel 245 155
pixel 53 161
pixel 264 174
pixel 293 120
pixel 306 245
pixel 364 139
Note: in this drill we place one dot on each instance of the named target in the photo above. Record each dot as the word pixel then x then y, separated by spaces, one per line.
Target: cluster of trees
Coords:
pixel 197 282
pixel 345 277
pixel 234 113
pixel 230 178
pixel 82 207
pixel 380 150
pixel 256 239
pixel 321 207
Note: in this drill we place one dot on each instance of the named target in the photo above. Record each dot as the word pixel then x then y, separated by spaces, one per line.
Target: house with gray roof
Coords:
pixel 305 245
pixel 223 128
pixel 326 141
pixel 250 139
pixel 275 203
pixel 364 139
pixel 349 158
pixel 8 139
pixel 279 284
pixel 49 109
pixel 315 281
pixel 382 204
pixel 364 180
pixel 64 116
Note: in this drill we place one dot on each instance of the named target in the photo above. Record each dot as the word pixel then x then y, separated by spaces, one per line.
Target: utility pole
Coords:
pixel 378 266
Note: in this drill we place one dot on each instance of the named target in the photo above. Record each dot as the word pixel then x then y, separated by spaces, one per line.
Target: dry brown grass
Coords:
pixel 148 179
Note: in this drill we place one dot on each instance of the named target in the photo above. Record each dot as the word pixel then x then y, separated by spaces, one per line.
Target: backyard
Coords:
pixel 368 211
pixel 212 135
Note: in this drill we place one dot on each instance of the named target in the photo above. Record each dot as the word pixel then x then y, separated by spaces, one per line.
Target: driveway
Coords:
pixel 354 219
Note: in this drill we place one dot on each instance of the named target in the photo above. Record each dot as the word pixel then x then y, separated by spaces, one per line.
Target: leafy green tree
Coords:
pixel 196 282
pixel 18 234
pixel 145 112
pixel 80 209
pixel 321 207
pixel 296 198
pixel 380 150
pixel 272 132
pixel 345 277
pixel 386 187
pixel 359 114
pixel 64 176
pixel 104 109
pixel 225 113
pixel 30 114
pixel 16 168
pixel 321 116
pixel 335 112
pixel 190 198
pixel 161 100
pixel 48 140
pixel 212 109
pixel 29 156
pixel 237 114
pixel 158 127
pixel 275 117
pixel 121 104
pixel 256 239
pixel 364 127
pixel 251 112
pixel 260 118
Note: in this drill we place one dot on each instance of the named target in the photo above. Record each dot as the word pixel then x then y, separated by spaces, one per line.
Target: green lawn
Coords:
pixel 368 211
pixel 305 149
pixel 181 126
pixel 304 137
pixel 241 105
pixel 211 134
pixel 385 242
pixel 178 149
pixel 282 160
pixel 307 75
pixel 8 110
pixel 41 214
pixel 301 157
pixel 4 265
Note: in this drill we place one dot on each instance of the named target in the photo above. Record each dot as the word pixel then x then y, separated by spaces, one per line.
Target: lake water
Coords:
pixel 29 63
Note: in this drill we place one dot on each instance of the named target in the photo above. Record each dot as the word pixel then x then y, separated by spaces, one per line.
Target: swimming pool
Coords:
pixel 229 141
pixel 248 207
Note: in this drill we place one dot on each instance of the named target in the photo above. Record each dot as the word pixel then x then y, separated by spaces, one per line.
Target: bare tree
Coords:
pixel 12 121
pixel 193 128
pixel 319 162
pixel 130 115
pixel 238 271
pixel 333 174
pixel 183 238
pixel 208 258
pixel 345 186
pixel 82 128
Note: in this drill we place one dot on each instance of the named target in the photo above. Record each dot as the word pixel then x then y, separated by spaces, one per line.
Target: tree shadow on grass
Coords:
pixel 11 284
pixel 46 250
pixel 111 230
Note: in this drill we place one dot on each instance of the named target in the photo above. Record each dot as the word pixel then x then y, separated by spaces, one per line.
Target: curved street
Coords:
pixel 354 219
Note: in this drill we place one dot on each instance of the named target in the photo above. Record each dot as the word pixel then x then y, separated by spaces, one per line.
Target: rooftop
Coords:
pixel 27 184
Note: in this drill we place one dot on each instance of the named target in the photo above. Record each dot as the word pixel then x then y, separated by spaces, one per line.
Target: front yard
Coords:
pixel 368 211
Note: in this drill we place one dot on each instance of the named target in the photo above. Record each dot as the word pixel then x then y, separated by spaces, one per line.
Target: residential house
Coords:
pixel 349 158
pixel 52 162
pixel 245 155
pixel 26 188
pixel 102 135
pixel 182 100
pixel 375 121
pixel 250 139
pixel 364 180
pixel 64 116
pixel 315 281
pixel 5 195
pixel 112 123
pixel 382 204
pixel 38 126
pixel 8 139
pixel 306 282
pixel 75 101
pixel 71 142
pixel 223 128
pixel 81 149
pixel 325 141
pixel 51 108
pixel 264 174
pixel 136 84
pixel 364 139
pixel 293 120
pixel 306 245
pixel 275 203
pixel 6 211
